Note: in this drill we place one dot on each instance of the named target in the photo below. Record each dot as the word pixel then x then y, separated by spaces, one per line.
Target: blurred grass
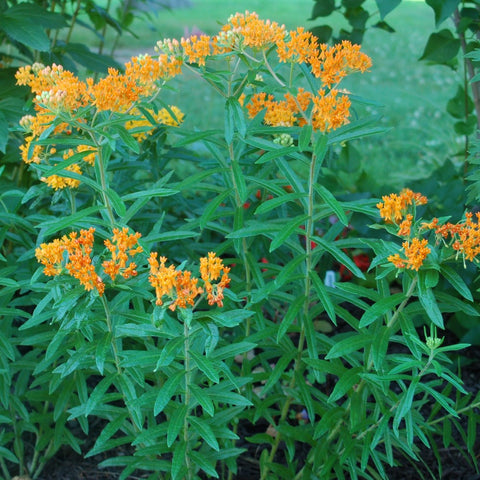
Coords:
pixel 412 94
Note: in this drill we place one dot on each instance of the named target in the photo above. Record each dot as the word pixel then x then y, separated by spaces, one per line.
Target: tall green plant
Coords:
pixel 176 362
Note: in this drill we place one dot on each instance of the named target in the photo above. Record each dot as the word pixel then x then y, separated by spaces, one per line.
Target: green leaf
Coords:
pixel 461 104
pixel 8 455
pixel 175 424
pixel 129 140
pixel 239 181
pixel 201 460
pixel 380 343
pixel 58 224
pixel 428 301
pixel 170 236
pixel 6 347
pixel 323 296
pixel 111 428
pixel 405 404
pixel 3 132
pixel 96 62
pixel 206 366
pixel 203 399
pixel 97 394
pixel 277 153
pixel 443 9
pixel 322 32
pixel 204 430
pixel 345 383
pixel 441 48
pixel 352 343
pixel 178 460
pixel 322 8
pixel 305 137
pixel 289 229
pixel 117 202
pixel 380 308
pixel 445 402
pixel 338 255
pixel 212 207
pixel 230 318
pixel 386 6
pixel 150 193
pixel 333 203
pixel 290 316
pixel 278 371
pixel 24 27
pixel 277 202
pixel 229 123
pixel 167 390
pixel 235 109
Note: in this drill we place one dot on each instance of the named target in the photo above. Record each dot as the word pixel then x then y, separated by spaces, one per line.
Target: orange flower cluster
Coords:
pixel 330 64
pixel 122 246
pixel 79 264
pixel 58 90
pixel 465 236
pixel 77 249
pixel 247 30
pixel 181 287
pixel 415 252
pixel 394 207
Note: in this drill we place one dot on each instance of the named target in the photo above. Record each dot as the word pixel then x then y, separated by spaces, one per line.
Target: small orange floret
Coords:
pixel 211 268
pixel 415 252
pixel 122 246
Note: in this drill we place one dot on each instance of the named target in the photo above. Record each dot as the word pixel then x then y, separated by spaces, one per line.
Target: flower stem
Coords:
pixel 186 347
pixel 304 317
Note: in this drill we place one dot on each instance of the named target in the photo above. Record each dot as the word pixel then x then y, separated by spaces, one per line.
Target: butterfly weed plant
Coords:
pixel 171 361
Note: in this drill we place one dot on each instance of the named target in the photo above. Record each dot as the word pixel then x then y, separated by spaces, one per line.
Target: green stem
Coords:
pixel 186 346
pixel 42 464
pixel 104 30
pixel 400 308
pixel 74 19
pixel 462 410
pixel 304 318
pixel 5 471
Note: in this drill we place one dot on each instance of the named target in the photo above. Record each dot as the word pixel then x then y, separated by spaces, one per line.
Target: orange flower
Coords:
pixel 415 252
pixel 178 285
pixel 467 236
pixel 330 111
pixel 299 48
pixel 186 290
pixel 406 226
pixel 122 246
pixel 196 49
pixel 211 268
pixel 79 264
pixel 50 255
pixel 247 30
pixel 334 63
pixel 394 206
